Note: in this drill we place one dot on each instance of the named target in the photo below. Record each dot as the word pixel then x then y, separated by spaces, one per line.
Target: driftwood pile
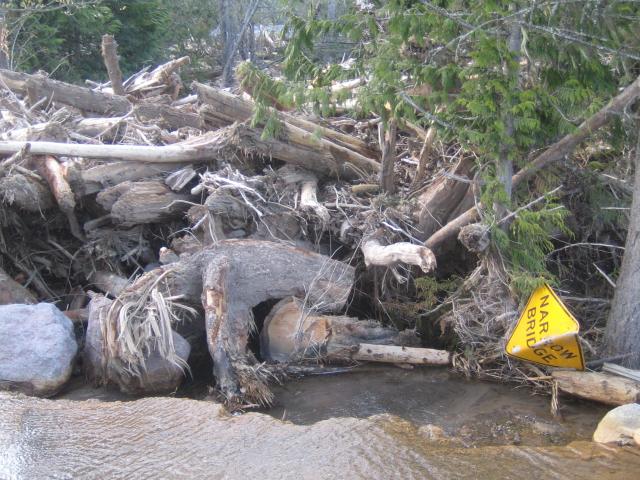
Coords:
pixel 188 218
pixel 178 210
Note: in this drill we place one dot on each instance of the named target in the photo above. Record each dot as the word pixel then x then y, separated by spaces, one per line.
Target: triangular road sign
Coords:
pixel 546 333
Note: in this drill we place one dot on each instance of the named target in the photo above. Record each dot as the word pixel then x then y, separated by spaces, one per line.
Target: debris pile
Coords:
pixel 185 217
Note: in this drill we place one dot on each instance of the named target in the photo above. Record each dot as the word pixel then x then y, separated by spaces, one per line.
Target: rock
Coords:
pixel 161 376
pixel 619 425
pixel 37 348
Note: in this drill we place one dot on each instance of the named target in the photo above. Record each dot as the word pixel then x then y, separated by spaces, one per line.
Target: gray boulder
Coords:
pixel 160 376
pixel 619 425
pixel 37 348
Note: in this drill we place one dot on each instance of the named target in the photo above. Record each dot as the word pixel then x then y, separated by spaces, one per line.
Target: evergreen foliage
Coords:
pixel 449 62
pixel 63 37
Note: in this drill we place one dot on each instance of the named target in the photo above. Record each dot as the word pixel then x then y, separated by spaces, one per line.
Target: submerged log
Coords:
pixel 599 387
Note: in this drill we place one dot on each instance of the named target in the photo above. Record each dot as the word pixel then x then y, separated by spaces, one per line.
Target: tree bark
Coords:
pixel 622 334
pixel 387 141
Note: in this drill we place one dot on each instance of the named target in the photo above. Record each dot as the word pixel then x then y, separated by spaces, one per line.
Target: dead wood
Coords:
pixel 38 87
pixel 26 192
pixel 443 196
pixel 599 387
pixel 229 279
pixel 291 334
pixel 165 116
pixel 162 80
pixel 95 179
pixel 387 142
pixel 139 203
pixel 12 292
pixel 555 153
pixel 110 57
pixel 200 149
pixel 108 282
pixel 402 252
pixel 226 108
pixel 425 153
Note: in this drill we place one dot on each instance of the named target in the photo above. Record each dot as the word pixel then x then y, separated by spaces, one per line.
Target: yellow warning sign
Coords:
pixel 546 333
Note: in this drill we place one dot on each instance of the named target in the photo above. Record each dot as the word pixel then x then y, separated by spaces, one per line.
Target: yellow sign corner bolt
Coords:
pixel 546 333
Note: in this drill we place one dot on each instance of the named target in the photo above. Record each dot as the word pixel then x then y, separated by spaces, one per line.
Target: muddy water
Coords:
pixel 477 413
pixel 182 438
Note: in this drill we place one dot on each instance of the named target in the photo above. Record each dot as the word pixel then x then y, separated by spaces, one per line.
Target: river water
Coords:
pixel 381 423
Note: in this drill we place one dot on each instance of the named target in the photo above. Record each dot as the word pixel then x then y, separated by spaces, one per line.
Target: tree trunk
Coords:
pixel 387 141
pixel 110 56
pixel 622 335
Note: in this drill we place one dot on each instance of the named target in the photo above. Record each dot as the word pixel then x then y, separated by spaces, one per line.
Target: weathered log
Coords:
pixel 110 57
pixel 442 197
pixel 158 81
pixel 308 190
pixel 298 147
pixel 228 108
pixel 554 153
pixel 38 87
pixel 167 117
pixel 291 334
pixel 137 203
pixel 96 179
pixel 26 193
pixel 51 131
pixel 402 252
pixel 238 275
pixel 199 149
pixel 402 355
pixel 12 292
pixel 599 387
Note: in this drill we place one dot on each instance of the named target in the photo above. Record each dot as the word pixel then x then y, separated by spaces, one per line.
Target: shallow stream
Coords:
pixel 372 423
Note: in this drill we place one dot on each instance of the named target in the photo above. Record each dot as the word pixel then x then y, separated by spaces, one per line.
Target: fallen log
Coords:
pixel 599 387
pixel 290 334
pixel 200 149
pixel 26 192
pixel 442 197
pixel 167 117
pixel 139 203
pixel 39 87
pixel 554 153
pixel 403 355
pixel 227 108
pixel 96 179
pixel 228 280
